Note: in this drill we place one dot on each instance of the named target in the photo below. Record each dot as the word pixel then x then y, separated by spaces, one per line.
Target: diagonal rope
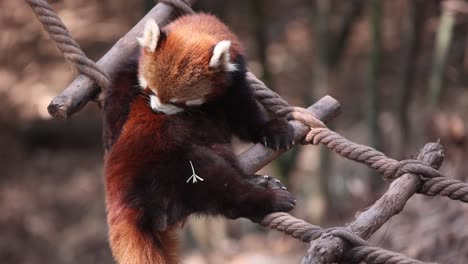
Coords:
pixel 67 45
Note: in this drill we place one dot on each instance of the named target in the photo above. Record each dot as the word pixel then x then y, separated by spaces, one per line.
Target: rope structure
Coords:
pixel 435 182
pixel 67 45
pixel 358 250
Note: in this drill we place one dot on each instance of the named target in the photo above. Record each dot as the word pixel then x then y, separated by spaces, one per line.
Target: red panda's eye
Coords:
pixel 178 104
pixel 148 91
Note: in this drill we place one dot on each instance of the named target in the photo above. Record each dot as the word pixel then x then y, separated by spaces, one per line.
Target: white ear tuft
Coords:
pixel 221 58
pixel 151 35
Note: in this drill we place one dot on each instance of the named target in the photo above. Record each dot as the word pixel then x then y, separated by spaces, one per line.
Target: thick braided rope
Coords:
pixel 292 226
pixel 277 105
pixel 378 255
pixel 359 251
pixel 389 168
pixel 69 47
pixel 454 189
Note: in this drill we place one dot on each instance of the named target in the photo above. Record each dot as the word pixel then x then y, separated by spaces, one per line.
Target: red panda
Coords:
pixel 168 121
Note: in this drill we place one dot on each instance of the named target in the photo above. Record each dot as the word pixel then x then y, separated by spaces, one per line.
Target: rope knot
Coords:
pixel 398 168
pixel 348 236
pixel 413 166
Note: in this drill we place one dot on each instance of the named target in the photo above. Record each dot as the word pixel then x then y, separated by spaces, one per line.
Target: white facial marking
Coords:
pixel 169 109
pixel 174 100
pixel 151 34
pixel 195 102
pixel 221 56
pixel 142 81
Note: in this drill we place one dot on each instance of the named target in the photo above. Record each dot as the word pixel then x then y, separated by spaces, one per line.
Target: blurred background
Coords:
pixel 398 68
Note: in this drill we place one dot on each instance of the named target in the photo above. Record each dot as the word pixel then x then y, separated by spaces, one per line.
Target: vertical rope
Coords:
pixel 67 45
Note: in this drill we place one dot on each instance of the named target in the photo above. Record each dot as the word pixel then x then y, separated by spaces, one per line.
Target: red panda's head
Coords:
pixel 187 64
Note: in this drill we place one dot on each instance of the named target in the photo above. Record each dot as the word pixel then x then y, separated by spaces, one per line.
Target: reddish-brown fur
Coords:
pixel 129 243
pixel 181 64
pixel 141 142
pixel 147 163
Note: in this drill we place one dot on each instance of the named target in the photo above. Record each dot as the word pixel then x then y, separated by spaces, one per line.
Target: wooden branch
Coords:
pixel 257 156
pixel 328 249
pixel 399 192
pixel 83 89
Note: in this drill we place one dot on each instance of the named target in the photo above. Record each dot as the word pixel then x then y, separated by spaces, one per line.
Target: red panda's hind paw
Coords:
pixel 280 199
pixel 266 195
pixel 277 134
pixel 283 201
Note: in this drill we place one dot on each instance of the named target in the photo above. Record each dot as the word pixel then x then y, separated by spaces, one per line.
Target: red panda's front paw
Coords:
pixel 267 182
pixel 277 134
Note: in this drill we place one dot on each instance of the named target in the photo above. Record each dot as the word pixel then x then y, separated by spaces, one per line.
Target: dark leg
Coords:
pixel 226 190
pixel 251 122
pixel 123 89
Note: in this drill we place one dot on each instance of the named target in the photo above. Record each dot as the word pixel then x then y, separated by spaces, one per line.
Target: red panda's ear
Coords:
pixel 151 35
pixel 221 58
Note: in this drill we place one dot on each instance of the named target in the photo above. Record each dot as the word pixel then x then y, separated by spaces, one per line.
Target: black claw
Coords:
pixel 277 134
